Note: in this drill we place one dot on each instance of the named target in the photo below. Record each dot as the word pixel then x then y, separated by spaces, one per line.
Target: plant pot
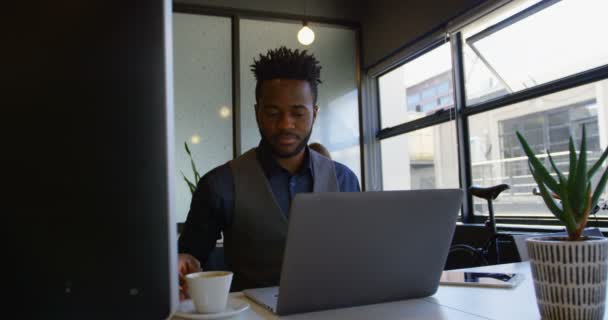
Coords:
pixel 569 276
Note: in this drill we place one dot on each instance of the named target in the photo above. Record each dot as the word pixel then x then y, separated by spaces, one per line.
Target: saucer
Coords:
pixel 186 310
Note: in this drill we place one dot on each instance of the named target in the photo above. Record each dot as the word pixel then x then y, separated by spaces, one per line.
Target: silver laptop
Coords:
pixel 349 249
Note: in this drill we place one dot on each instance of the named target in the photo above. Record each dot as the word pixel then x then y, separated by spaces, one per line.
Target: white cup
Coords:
pixel 209 290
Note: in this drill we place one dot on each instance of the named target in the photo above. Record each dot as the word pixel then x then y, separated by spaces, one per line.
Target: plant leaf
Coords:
pixel 196 176
pixel 190 184
pixel 187 149
pixel 578 198
pixel 560 176
pixel 568 216
pixel 546 195
pixel 601 185
pixel 540 169
pixel 598 164
pixel 572 173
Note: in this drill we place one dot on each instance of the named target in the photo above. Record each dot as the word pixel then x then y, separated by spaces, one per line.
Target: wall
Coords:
pixel 388 25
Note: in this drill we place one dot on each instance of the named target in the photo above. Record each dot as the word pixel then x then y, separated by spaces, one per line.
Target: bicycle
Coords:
pixel 481 256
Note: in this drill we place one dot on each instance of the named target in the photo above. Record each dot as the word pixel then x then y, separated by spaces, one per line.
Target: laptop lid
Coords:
pixel 349 249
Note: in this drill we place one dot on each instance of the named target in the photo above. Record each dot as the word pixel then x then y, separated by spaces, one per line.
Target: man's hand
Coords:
pixel 186 264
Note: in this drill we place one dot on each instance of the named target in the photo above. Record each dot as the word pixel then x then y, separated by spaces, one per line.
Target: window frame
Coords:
pixel 461 110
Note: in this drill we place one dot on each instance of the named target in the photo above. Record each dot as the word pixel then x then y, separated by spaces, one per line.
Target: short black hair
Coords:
pixel 284 63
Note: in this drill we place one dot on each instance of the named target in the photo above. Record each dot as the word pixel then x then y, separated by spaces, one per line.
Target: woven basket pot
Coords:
pixel 569 276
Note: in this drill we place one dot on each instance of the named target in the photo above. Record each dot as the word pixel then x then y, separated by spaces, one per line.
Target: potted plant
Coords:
pixel 569 272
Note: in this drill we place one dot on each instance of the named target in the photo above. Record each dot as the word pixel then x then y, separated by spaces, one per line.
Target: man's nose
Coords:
pixel 286 121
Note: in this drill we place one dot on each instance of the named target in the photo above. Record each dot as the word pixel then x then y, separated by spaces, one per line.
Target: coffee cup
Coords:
pixel 209 290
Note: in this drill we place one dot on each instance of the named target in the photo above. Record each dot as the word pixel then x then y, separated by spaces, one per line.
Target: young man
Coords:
pixel 248 198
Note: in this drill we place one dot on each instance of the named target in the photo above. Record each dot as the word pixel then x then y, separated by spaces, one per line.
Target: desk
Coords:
pixel 450 303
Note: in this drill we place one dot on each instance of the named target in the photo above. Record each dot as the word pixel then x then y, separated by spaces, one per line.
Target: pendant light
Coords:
pixel 306 36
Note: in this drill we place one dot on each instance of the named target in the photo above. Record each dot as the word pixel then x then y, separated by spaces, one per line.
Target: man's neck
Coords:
pixel 292 164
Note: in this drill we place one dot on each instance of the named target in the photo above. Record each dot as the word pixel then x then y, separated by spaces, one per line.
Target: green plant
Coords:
pixel 575 193
pixel 197 176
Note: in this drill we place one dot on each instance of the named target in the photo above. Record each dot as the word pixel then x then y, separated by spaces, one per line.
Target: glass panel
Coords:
pixel 337 124
pixel 423 159
pixel 547 123
pixel 417 88
pixel 559 40
pixel 203 97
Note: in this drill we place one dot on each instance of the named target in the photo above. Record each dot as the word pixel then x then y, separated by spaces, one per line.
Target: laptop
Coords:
pixel 350 249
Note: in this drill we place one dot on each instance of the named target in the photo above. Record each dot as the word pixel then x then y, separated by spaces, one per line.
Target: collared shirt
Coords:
pixel 212 206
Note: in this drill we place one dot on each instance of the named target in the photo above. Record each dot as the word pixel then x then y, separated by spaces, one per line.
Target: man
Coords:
pixel 248 198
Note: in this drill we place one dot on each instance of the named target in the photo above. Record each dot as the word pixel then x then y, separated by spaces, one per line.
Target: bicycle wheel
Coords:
pixel 465 256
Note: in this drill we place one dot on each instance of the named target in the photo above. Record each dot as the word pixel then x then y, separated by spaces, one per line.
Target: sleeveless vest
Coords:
pixel 254 243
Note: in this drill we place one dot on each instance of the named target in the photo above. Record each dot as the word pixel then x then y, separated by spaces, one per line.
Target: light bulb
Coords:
pixel 195 139
pixel 224 112
pixel 306 36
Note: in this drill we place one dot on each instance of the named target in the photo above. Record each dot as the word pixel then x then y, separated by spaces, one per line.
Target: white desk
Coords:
pixel 450 302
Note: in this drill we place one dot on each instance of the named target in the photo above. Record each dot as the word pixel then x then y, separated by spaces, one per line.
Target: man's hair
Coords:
pixel 284 63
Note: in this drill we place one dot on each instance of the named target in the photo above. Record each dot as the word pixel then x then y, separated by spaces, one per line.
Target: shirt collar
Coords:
pixel 271 166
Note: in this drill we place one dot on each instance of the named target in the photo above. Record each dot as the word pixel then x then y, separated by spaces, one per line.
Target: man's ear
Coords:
pixel 315 109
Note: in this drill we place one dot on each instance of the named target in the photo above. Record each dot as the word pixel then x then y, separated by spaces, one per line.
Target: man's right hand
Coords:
pixel 186 264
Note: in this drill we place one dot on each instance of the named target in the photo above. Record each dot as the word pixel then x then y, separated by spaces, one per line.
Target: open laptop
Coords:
pixel 349 249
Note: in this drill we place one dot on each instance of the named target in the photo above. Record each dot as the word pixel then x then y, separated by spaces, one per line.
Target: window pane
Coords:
pixel 417 88
pixel 423 159
pixel 203 98
pixel 559 40
pixel 337 124
pixel 547 123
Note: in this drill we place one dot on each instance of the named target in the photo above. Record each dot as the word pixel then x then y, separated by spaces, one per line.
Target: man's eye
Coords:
pixel 300 115
pixel 272 113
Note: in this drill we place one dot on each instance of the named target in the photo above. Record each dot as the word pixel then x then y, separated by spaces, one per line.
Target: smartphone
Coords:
pixel 481 279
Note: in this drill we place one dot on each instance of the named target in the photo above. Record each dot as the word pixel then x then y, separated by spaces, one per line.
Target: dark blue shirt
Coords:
pixel 212 206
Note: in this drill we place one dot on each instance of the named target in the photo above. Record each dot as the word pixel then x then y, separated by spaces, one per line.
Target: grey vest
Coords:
pixel 254 243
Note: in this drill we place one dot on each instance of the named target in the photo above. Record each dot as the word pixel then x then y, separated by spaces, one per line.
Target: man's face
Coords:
pixel 285 113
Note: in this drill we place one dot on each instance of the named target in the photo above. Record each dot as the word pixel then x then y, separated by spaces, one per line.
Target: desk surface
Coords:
pixel 450 302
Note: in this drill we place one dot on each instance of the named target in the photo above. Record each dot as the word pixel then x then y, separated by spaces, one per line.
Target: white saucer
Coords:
pixel 186 310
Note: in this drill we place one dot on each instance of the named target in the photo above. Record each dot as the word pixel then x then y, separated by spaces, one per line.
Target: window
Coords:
pixel 546 41
pixel 547 123
pixel 537 67
pixel 419 158
pixel 417 88
pixel 422 159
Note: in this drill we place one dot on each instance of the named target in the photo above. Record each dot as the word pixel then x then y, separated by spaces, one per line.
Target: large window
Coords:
pixel 419 158
pixel 537 67
pixel 546 41
pixel 547 123
pixel 417 89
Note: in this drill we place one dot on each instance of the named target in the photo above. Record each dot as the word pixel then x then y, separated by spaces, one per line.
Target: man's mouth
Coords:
pixel 286 139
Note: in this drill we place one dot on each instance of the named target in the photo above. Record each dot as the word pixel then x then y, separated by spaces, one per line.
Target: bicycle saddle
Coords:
pixel 489 192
